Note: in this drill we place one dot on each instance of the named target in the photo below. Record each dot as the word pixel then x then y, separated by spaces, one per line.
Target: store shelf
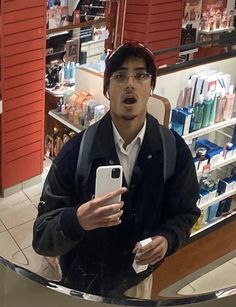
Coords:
pixel 218 198
pixel 64 121
pixel 190 136
pixel 72 26
pixel 189 51
pixel 217 220
pixel 60 91
pixel 218 31
pixel 218 165
pixel 55 53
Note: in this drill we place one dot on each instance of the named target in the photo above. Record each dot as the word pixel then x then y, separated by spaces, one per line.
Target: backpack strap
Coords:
pixel 169 152
pixel 83 164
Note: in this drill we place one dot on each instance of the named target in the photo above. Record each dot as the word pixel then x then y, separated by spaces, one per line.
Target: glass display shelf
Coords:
pixel 217 31
pixel 72 26
pixel 65 121
pixel 217 220
pixel 190 136
pixel 222 163
pixel 218 198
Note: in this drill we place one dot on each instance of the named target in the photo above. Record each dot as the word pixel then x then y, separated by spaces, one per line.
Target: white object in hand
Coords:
pixel 141 268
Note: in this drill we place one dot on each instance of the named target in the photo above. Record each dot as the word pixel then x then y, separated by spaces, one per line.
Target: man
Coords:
pixel 97 243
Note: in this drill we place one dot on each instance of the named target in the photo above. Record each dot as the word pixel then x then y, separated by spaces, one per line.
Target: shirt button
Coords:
pixel 111 162
pixel 125 252
pixel 132 186
pixel 149 157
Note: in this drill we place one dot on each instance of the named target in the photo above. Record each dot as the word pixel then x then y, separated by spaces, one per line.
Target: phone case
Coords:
pixel 105 183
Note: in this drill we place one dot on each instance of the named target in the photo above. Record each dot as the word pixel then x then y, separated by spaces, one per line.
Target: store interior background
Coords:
pixel 18 207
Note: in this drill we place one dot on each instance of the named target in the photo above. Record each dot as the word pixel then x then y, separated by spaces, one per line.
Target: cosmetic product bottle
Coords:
pixel 67 72
pixel 198 113
pixel 229 105
pixel 213 110
pixel 220 105
pixel 61 74
pixel 207 110
pixel 59 104
pixel 72 73
pixel 187 94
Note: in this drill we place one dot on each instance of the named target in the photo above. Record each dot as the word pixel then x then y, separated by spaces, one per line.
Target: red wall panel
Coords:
pixel 22 100
pixel 23 39
pixel 156 23
pixel 23 131
pixel 25 167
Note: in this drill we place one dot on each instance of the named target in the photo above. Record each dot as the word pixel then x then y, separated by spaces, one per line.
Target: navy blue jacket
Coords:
pixel 100 260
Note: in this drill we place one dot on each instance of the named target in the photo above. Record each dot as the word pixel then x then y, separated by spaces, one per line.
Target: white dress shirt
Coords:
pixel 128 155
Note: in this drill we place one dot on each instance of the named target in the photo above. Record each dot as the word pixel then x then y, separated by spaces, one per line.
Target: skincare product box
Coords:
pixel 226 185
pixel 214 155
pixel 203 197
pixel 177 127
pixel 181 120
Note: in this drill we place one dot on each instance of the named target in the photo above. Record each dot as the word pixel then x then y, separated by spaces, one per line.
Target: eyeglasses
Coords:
pixel 139 77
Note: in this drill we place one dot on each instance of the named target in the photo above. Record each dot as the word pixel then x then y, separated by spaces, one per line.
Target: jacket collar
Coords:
pixel 104 146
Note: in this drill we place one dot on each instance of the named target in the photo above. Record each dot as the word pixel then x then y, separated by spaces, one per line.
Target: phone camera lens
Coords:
pixel 115 173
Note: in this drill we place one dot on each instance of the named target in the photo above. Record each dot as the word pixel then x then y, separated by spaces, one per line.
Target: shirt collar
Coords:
pixel 139 137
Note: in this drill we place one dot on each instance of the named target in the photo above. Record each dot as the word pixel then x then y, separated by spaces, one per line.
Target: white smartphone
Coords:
pixel 108 179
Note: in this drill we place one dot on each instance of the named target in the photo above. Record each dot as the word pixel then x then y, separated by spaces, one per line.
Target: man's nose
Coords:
pixel 130 81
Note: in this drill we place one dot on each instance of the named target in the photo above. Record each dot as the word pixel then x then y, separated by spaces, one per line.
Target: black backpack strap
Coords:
pixel 83 164
pixel 169 152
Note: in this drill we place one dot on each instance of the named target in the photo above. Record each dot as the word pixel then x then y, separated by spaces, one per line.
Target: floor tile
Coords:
pixel 35 200
pixel 23 234
pixel 19 258
pixel 221 277
pixel 34 261
pixel 18 214
pixel 233 261
pixel 8 246
pixel 2 227
pixel 34 190
pixel 31 182
pixel 16 198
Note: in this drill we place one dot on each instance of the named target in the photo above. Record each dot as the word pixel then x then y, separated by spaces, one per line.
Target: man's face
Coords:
pixel 128 100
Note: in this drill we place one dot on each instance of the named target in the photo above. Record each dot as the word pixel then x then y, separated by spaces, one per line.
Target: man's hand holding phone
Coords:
pixel 97 214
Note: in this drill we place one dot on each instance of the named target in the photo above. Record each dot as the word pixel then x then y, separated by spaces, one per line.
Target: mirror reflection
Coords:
pixel 100 210
pixel 112 210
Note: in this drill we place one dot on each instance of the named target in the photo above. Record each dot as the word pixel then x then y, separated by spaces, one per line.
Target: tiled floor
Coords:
pixel 17 214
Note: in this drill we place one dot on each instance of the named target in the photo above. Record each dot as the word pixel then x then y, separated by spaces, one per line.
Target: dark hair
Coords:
pixel 115 59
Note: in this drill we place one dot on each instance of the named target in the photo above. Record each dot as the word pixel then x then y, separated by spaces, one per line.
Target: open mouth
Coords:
pixel 130 100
